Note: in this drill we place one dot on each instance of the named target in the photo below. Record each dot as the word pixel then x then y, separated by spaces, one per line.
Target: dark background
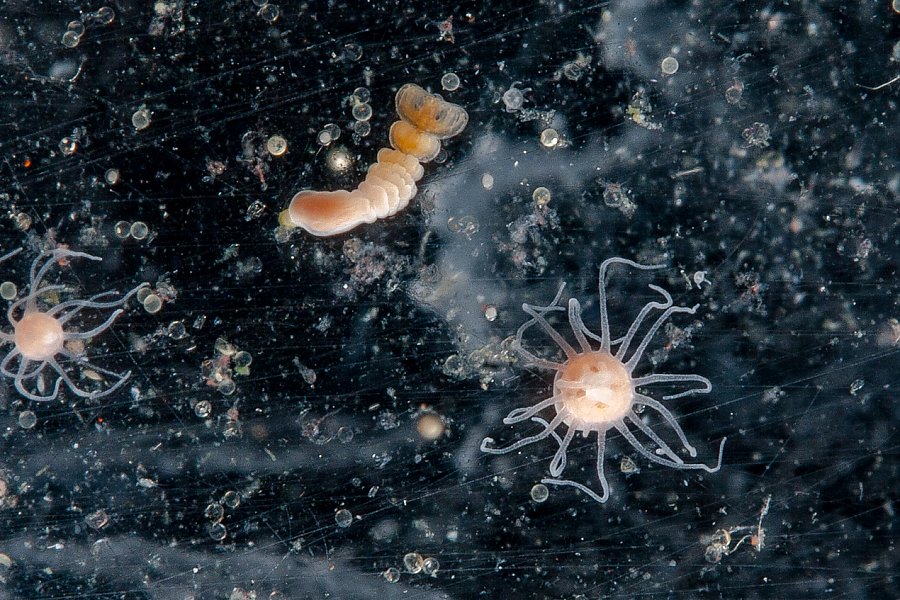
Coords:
pixel 796 231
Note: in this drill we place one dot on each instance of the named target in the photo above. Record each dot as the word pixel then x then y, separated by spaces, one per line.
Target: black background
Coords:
pixel 797 238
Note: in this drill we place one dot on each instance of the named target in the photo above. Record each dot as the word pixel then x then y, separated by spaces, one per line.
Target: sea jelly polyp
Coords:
pixel 595 389
pixel 39 337
pixel 425 120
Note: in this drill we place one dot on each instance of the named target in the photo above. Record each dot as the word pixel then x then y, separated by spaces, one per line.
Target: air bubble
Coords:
pixel 343 518
pixel 353 52
pixel 27 419
pixel 203 409
pixel 338 159
pixel 362 94
pixel 139 230
pixel 539 492
pixel 362 111
pixel 413 562
pixel 572 71
pixel 97 519
pixel 231 499
pixel 141 119
pixel 541 196
pixel 76 27
pixel 450 82
pixel 345 435
pixel 152 304
pixel 362 128
pixel 8 290
pixel 269 12
pixel 391 575
pixel 549 138
pixel 176 330
pixel 242 359
pixel 112 176
pixel 329 133
pixel 217 531
pixel 122 229
pixel 431 566
pixel 669 65
pixel 276 145
pixel 227 387
pixel 70 39
pixel 104 15
pixel 214 512
pixel 68 146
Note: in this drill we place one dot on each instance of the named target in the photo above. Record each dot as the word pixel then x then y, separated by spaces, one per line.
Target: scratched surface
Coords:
pixel 276 438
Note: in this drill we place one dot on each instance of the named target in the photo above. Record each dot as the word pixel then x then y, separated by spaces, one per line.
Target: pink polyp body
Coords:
pixel 47 344
pixel 328 213
pixel 595 390
pixel 390 183
pixel 408 163
pixel 38 336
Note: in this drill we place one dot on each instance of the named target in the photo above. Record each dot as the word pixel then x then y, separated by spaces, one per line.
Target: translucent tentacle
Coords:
pixel 580 487
pixel 639 320
pixel 4 365
pixel 548 329
pixel 11 311
pixel 668 463
pixel 19 381
pixel 521 414
pixel 535 360
pixel 53 257
pixel 537 318
pixel 83 335
pixel 601 475
pixel 604 314
pixel 558 464
pixel 91 302
pixel 101 305
pixel 122 378
pixel 578 325
pixel 652 331
pixel 486 442
pixel 676 378
pixel 601 460
pixel 9 254
pixel 660 443
pixel 669 418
